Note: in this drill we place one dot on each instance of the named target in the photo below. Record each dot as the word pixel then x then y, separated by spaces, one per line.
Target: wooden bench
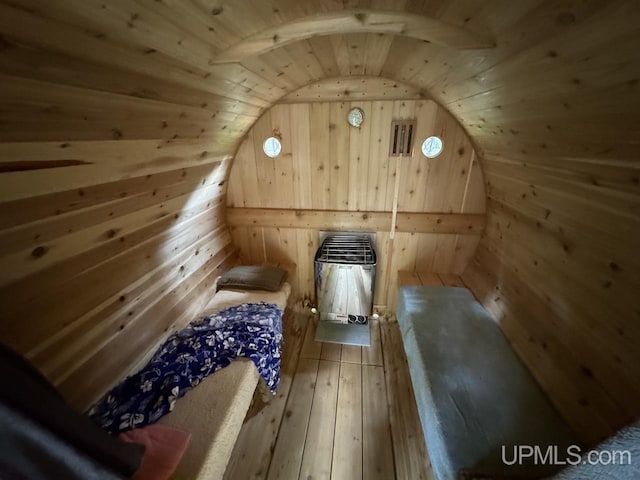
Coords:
pixel 214 411
pixel 474 395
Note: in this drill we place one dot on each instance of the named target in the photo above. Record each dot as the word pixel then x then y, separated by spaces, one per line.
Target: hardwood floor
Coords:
pixel 341 413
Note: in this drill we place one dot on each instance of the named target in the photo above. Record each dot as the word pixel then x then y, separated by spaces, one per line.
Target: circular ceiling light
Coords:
pixel 272 147
pixel 432 147
pixel 355 117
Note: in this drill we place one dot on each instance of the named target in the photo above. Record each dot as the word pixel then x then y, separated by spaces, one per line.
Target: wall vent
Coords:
pixel 402 135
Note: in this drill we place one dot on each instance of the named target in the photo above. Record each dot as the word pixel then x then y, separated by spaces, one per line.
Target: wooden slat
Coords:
pixel 311 348
pixel 347 443
pixel 287 454
pixel 253 450
pixel 373 355
pixel 406 278
pixel 348 433
pixel 179 307
pixel 331 351
pixel 351 354
pixel 354 88
pixel 411 459
pixel 318 448
pixel 357 21
pixel 377 455
pixel 462 224
pixel 449 280
pixel 429 279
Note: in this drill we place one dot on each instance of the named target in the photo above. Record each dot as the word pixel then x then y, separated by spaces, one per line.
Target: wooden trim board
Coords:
pixel 411 222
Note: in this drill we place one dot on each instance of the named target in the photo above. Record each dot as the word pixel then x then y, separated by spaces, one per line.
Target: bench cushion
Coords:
pixel 473 393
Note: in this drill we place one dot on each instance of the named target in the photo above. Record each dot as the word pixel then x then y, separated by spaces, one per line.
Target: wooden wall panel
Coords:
pixel 557 265
pixel 331 174
pixel 105 106
pixel 113 177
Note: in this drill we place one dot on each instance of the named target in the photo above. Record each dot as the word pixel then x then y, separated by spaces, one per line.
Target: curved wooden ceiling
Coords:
pixel 410 25
pixel 553 110
pixel 540 63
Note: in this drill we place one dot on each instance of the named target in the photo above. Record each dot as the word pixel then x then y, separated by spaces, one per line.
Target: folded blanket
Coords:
pixel 187 357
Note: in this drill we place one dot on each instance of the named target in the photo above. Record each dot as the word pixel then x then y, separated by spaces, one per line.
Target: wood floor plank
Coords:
pixel 318 450
pixel 351 354
pixel 287 454
pixel 373 355
pixel 347 444
pixel 329 423
pixel 331 351
pixel 377 456
pixel 311 348
pixel 252 452
pixel 410 454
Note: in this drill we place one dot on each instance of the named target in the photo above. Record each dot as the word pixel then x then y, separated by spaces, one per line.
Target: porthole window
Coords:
pixel 272 147
pixel 432 147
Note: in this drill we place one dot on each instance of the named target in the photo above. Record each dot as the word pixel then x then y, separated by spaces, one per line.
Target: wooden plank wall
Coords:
pixel 326 165
pixel 558 264
pixel 97 95
pixel 112 183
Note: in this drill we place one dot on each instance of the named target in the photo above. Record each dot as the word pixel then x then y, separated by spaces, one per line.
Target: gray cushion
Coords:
pixel 473 393
pixel 253 278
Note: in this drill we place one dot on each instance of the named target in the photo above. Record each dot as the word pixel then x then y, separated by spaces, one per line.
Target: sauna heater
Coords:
pixel 345 275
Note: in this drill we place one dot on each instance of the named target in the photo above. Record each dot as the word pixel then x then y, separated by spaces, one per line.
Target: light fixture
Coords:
pixel 355 117
pixel 432 147
pixel 272 147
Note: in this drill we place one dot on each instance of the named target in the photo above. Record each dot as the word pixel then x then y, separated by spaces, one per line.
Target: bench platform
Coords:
pixel 474 395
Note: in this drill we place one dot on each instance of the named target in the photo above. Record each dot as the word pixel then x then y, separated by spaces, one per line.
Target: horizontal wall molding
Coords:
pixel 411 222
pixel 355 88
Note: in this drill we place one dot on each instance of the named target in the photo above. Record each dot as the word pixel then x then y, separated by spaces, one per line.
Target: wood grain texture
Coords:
pixel 453 223
pixel 122 90
pixel 349 432
pixel 354 88
pixel 287 454
pixel 319 443
pixel 343 179
pixel 411 458
pixel 419 27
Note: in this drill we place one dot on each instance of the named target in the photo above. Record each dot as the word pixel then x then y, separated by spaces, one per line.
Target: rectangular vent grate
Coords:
pixel 402 133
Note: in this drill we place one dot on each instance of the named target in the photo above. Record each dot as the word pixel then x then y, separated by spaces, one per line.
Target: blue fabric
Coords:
pixel 190 355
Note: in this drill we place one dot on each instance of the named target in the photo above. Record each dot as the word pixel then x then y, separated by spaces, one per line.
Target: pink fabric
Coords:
pixel 165 446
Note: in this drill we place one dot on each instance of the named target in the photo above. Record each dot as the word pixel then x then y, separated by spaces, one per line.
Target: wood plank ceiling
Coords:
pixel 121 104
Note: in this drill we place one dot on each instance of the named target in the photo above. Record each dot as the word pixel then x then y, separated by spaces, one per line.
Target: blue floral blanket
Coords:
pixel 250 330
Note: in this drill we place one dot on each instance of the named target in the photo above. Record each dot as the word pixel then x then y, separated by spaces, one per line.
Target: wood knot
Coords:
pixel 361 17
pixel 566 18
pixel 39 251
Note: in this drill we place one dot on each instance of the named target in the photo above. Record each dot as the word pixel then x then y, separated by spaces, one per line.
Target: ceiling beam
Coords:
pixel 410 25
pixel 354 88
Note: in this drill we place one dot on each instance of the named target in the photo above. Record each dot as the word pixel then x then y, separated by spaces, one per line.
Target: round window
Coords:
pixel 272 147
pixel 432 147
